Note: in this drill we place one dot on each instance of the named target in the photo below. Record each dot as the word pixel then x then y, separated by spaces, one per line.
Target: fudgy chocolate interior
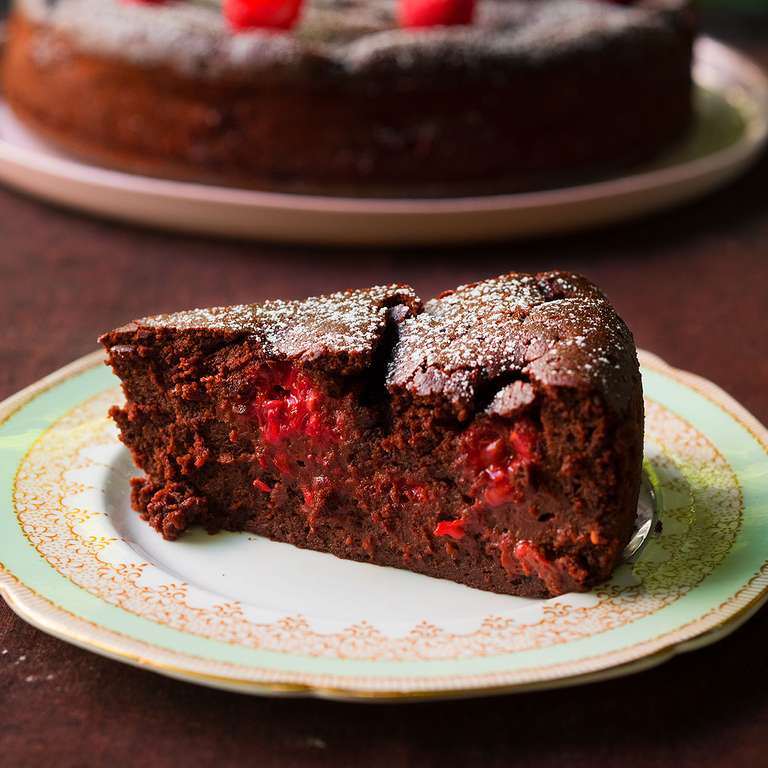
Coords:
pixel 503 478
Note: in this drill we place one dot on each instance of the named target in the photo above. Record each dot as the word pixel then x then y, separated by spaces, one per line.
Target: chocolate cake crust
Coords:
pixel 492 436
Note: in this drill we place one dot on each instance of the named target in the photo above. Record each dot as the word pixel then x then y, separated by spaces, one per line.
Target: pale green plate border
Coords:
pixel 48 600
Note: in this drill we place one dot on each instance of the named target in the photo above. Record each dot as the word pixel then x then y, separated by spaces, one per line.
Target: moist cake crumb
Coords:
pixel 492 435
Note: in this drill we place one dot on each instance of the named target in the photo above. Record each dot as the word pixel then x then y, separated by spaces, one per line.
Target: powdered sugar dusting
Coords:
pixel 553 328
pixel 350 322
pixel 345 36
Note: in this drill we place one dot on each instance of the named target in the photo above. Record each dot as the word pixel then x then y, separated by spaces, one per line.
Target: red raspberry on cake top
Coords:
pixel 434 13
pixel 262 14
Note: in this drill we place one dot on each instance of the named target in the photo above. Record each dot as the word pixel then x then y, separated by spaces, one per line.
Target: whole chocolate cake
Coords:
pixel 365 96
pixel 492 436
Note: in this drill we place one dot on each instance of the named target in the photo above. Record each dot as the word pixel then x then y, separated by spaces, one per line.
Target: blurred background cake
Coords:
pixel 370 97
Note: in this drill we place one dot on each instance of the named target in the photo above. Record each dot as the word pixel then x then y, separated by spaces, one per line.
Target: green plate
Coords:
pixel 238 612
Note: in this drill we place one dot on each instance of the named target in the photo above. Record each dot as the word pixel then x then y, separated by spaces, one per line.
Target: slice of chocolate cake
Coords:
pixel 492 436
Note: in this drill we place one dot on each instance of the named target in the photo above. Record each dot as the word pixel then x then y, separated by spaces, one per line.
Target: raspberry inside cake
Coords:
pixel 492 436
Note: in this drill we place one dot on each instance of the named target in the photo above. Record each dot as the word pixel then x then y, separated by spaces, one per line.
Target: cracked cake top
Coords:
pixel 551 329
pixel 483 344
pixel 348 322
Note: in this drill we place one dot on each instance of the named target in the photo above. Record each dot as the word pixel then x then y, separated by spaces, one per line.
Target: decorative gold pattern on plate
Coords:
pixel 699 527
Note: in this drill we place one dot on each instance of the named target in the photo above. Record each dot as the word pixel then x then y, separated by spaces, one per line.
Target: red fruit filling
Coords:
pixel 558 576
pixel 452 528
pixel 297 424
pixel 433 13
pixel 532 561
pixel 262 14
pixel 495 454
pixel 287 405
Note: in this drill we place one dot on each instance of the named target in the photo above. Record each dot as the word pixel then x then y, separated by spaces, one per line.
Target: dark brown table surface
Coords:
pixel 693 285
